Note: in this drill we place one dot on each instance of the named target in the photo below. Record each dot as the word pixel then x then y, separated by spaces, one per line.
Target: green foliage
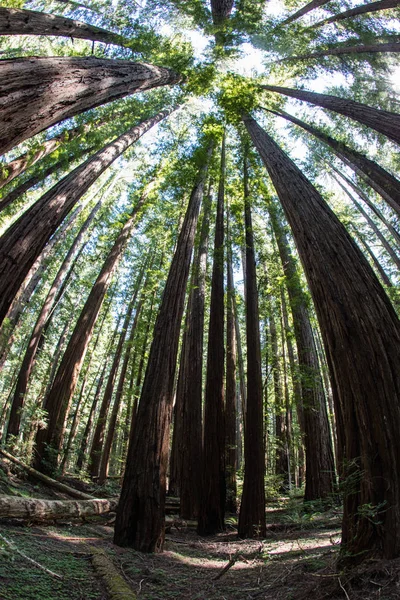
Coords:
pixel 237 96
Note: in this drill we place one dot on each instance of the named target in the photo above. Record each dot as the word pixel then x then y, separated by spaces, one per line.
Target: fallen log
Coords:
pixel 61 487
pixel 35 509
pixel 117 587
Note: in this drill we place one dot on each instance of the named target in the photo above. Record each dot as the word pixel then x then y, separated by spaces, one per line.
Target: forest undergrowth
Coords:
pixel 295 561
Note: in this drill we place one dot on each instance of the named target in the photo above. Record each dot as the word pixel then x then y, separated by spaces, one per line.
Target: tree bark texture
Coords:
pixel 141 515
pixel 25 239
pixel 221 10
pixel 252 507
pixel 189 389
pixel 213 493
pixel 38 92
pixel 48 441
pixel 361 334
pixel 357 161
pixel 14 21
pixel 383 121
pixel 33 509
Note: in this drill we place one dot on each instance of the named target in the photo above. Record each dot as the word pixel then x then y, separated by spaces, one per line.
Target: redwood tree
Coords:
pixel 356 318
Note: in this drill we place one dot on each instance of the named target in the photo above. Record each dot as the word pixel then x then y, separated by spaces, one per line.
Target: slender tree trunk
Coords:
pixel 383 121
pixel 377 264
pixel 68 87
pixel 12 169
pixel 362 9
pixel 230 384
pixel 280 467
pixel 189 390
pixel 361 334
pixel 344 50
pixel 25 239
pixel 14 21
pixel 320 470
pixel 98 457
pixel 252 507
pixel 141 513
pixel 373 227
pixel 304 10
pixel 33 344
pixel 378 177
pixel 213 492
pixel 370 204
pixel 48 441
pixel 30 182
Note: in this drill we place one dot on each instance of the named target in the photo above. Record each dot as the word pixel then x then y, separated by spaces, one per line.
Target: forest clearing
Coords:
pixel 199 299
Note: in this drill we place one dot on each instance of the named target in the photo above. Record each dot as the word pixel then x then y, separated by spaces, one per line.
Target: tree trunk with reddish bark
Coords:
pixel 25 239
pixel 362 9
pixel 140 519
pixel 213 492
pixel 252 507
pixel 48 441
pixel 68 86
pixel 361 334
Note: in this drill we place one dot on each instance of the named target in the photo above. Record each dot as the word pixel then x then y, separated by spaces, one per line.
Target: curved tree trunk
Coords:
pixel 33 344
pixel 383 121
pixel 12 169
pixel 141 515
pixel 14 21
pixel 49 441
pixel 304 10
pixel 362 9
pixel 343 50
pixel 361 334
pixel 25 239
pixel 378 177
pixel 213 492
pixel 252 507
pixel 320 468
pixel 68 87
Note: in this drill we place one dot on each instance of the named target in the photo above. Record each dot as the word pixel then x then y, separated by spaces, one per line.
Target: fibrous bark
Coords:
pixel 141 513
pixel 361 334
pixel 38 92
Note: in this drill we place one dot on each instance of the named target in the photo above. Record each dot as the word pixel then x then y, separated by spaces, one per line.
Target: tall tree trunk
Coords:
pixel 213 492
pixel 373 227
pixel 189 390
pixel 221 10
pixel 105 457
pixel 25 239
pixel 12 169
pixel 48 441
pixel 361 334
pixel 377 264
pixel 252 507
pixel 344 50
pixel 380 179
pixel 320 469
pixel 68 87
pixel 369 203
pixel 230 384
pixel 95 457
pixel 304 10
pixel 383 121
pixel 362 9
pixel 33 344
pixel 141 512
pixel 14 21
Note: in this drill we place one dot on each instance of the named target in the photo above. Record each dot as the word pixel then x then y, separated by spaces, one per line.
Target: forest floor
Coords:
pixel 295 561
